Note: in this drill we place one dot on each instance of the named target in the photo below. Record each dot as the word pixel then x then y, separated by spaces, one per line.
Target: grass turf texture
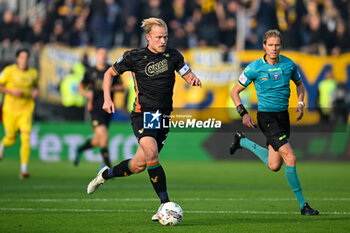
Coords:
pixel 227 196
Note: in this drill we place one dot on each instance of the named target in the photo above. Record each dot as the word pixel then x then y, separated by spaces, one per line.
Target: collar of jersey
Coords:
pixel 263 58
pixel 156 54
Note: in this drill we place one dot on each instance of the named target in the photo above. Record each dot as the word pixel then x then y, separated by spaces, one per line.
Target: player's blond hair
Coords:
pixel 147 24
pixel 272 33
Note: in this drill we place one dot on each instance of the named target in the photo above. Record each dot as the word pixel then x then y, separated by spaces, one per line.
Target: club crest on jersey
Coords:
pixel 276 76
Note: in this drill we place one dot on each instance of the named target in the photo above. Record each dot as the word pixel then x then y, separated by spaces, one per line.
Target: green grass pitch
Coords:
pixel 225 196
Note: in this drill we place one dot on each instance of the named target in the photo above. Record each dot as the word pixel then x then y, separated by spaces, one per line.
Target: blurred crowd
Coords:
pixel 311 26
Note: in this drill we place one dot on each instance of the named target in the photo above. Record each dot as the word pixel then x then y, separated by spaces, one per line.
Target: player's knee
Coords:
pixel 25 138
pixel 290 159
pixel 274 167
pixel 9 141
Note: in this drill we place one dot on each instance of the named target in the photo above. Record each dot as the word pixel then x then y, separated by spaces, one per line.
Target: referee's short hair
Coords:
pixel 272 33
pixel 147 24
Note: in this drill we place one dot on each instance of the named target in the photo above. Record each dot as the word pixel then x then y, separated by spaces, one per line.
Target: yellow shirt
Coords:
pixel 13 78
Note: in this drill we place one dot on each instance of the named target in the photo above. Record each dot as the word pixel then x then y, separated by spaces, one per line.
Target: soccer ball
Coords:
pixel 170 214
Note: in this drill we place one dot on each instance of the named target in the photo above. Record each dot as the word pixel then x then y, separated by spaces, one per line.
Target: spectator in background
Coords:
pixel 69 10
pixel 36 36
pixel 9 29
pixel 130 36
pixel 265 18
pixel 78 36
pixel 228 25
pixel 326 92
pixel 290 15
pixel 315 42
pixel 341 39
pixel 206 17
pixel 191 35
pixel 59 35
pixel 329 17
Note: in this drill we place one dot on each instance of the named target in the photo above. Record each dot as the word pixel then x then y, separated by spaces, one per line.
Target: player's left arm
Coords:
pixel 300 105
pixel 192 79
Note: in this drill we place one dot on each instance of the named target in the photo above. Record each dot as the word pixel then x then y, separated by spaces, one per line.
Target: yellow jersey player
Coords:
pixel 19 83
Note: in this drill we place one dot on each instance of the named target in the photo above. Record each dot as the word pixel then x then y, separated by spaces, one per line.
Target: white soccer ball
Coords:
pixel 170 214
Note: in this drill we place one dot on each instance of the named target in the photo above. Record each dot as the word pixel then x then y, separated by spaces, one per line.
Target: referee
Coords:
pixel 271 75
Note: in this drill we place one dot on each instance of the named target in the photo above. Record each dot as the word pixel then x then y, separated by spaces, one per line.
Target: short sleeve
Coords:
pixel 246 77
pixel 296 77
pixel 181 68
pixel 4 77
pixel 123 63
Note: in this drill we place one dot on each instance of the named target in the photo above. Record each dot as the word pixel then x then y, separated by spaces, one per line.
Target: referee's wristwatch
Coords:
pixel 302 103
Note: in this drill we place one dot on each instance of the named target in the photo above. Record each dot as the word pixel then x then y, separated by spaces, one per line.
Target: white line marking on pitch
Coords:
pixel 151 211
pixel 155 199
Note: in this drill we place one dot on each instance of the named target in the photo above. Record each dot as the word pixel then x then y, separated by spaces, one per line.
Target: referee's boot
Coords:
pixel 307 210
pixel 236 142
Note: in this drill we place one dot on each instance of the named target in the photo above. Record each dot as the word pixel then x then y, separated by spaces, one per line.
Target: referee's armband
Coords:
pixel 241 110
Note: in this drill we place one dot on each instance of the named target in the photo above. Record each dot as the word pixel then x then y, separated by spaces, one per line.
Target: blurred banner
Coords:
pixel 218 78
pixel 53 142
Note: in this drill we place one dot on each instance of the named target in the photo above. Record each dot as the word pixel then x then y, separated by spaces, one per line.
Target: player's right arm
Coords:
pixel 108 104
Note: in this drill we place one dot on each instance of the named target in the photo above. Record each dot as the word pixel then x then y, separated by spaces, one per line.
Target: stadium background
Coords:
pixel 217 38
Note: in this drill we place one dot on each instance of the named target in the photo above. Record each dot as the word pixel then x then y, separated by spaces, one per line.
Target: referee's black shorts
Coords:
pixel 276 127
pixel 159 135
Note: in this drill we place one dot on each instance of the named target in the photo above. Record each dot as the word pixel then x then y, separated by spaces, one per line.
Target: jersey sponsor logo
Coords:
pixel 276 76
pixel 151 120
pixel 153 68
pixel 242 78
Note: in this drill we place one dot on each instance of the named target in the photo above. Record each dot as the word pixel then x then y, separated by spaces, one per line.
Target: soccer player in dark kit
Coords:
pixel 154 78
pixel 91 88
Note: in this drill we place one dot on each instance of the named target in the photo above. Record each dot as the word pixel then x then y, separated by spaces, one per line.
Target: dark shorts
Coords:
pixel 276 127
pixel 100 117
pixel 159 135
